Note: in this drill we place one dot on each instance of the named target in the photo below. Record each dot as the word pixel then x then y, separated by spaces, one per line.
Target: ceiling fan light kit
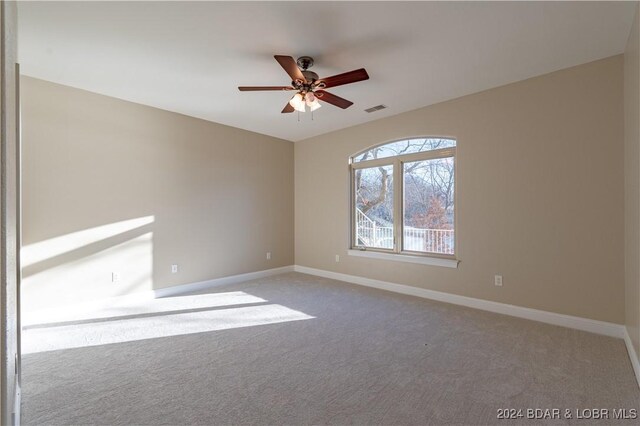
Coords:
pixel 297 102
pixel 301 99
pixel 309 86
pixel 312 101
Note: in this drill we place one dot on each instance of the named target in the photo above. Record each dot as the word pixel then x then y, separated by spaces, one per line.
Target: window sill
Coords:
pixel 423 260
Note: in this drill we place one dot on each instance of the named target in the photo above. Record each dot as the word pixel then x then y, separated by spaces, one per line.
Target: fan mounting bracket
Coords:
pixel 304 62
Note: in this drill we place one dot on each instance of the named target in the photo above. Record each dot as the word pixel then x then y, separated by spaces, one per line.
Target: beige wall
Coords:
pixel 632 183
pixel 540 193
pixel 113 186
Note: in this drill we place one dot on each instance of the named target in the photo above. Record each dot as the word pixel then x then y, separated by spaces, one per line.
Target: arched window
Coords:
pixel 403 198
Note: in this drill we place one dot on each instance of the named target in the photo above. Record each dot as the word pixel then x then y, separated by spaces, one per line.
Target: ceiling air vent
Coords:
pixel 375 108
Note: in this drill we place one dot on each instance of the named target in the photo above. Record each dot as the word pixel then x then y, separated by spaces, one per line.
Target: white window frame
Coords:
pixel 397 253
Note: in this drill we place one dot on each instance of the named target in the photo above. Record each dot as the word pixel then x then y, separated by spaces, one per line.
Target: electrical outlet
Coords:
pixel 337 258
pixel 174 269
pixel 268 255
pixel 498 280
pixel 115 277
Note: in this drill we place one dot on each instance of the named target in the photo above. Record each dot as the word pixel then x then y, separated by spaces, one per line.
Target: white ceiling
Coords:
pixel 190 57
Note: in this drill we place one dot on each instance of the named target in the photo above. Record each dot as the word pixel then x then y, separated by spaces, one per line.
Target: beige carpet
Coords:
pixel 296 349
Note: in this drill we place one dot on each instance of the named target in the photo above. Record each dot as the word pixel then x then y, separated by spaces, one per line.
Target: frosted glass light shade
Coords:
pixel 296 100
pixel 314 105
pixel 299 106
pixel 309 98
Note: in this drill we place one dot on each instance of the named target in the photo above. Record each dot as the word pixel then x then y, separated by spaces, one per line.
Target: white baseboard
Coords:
pixel 86 309
pixel 633 356
pixel 578 323
pixel 584 324
pixel 233 279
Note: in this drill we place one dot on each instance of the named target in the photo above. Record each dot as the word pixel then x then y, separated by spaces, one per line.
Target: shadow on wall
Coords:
pixel 70 268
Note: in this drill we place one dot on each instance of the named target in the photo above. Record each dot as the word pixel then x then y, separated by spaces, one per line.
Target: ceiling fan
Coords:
pixel 308 86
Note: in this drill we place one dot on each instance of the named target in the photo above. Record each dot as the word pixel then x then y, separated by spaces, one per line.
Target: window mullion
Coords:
pixel 352 208
pixel 397 205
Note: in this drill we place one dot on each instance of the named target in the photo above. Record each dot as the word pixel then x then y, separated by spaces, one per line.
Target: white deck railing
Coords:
pixel 369 234
pixel 429 240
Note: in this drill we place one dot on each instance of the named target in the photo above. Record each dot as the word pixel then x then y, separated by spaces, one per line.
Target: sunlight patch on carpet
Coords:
pixel 128 330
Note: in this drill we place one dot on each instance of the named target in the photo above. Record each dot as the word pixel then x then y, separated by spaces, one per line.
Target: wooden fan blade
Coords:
pixel 287 108
pixel 256 88
pixel 344 78
pixel 290 66
pixel 333 99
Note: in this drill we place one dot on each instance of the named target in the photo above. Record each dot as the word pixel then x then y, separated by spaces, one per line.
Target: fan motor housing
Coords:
pixel 310 75
pixel 304 63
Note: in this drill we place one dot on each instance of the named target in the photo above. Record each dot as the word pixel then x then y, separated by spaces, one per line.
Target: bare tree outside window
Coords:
pixel 409 146
pixel 374 206
pixel 426 169
pixel 428 206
